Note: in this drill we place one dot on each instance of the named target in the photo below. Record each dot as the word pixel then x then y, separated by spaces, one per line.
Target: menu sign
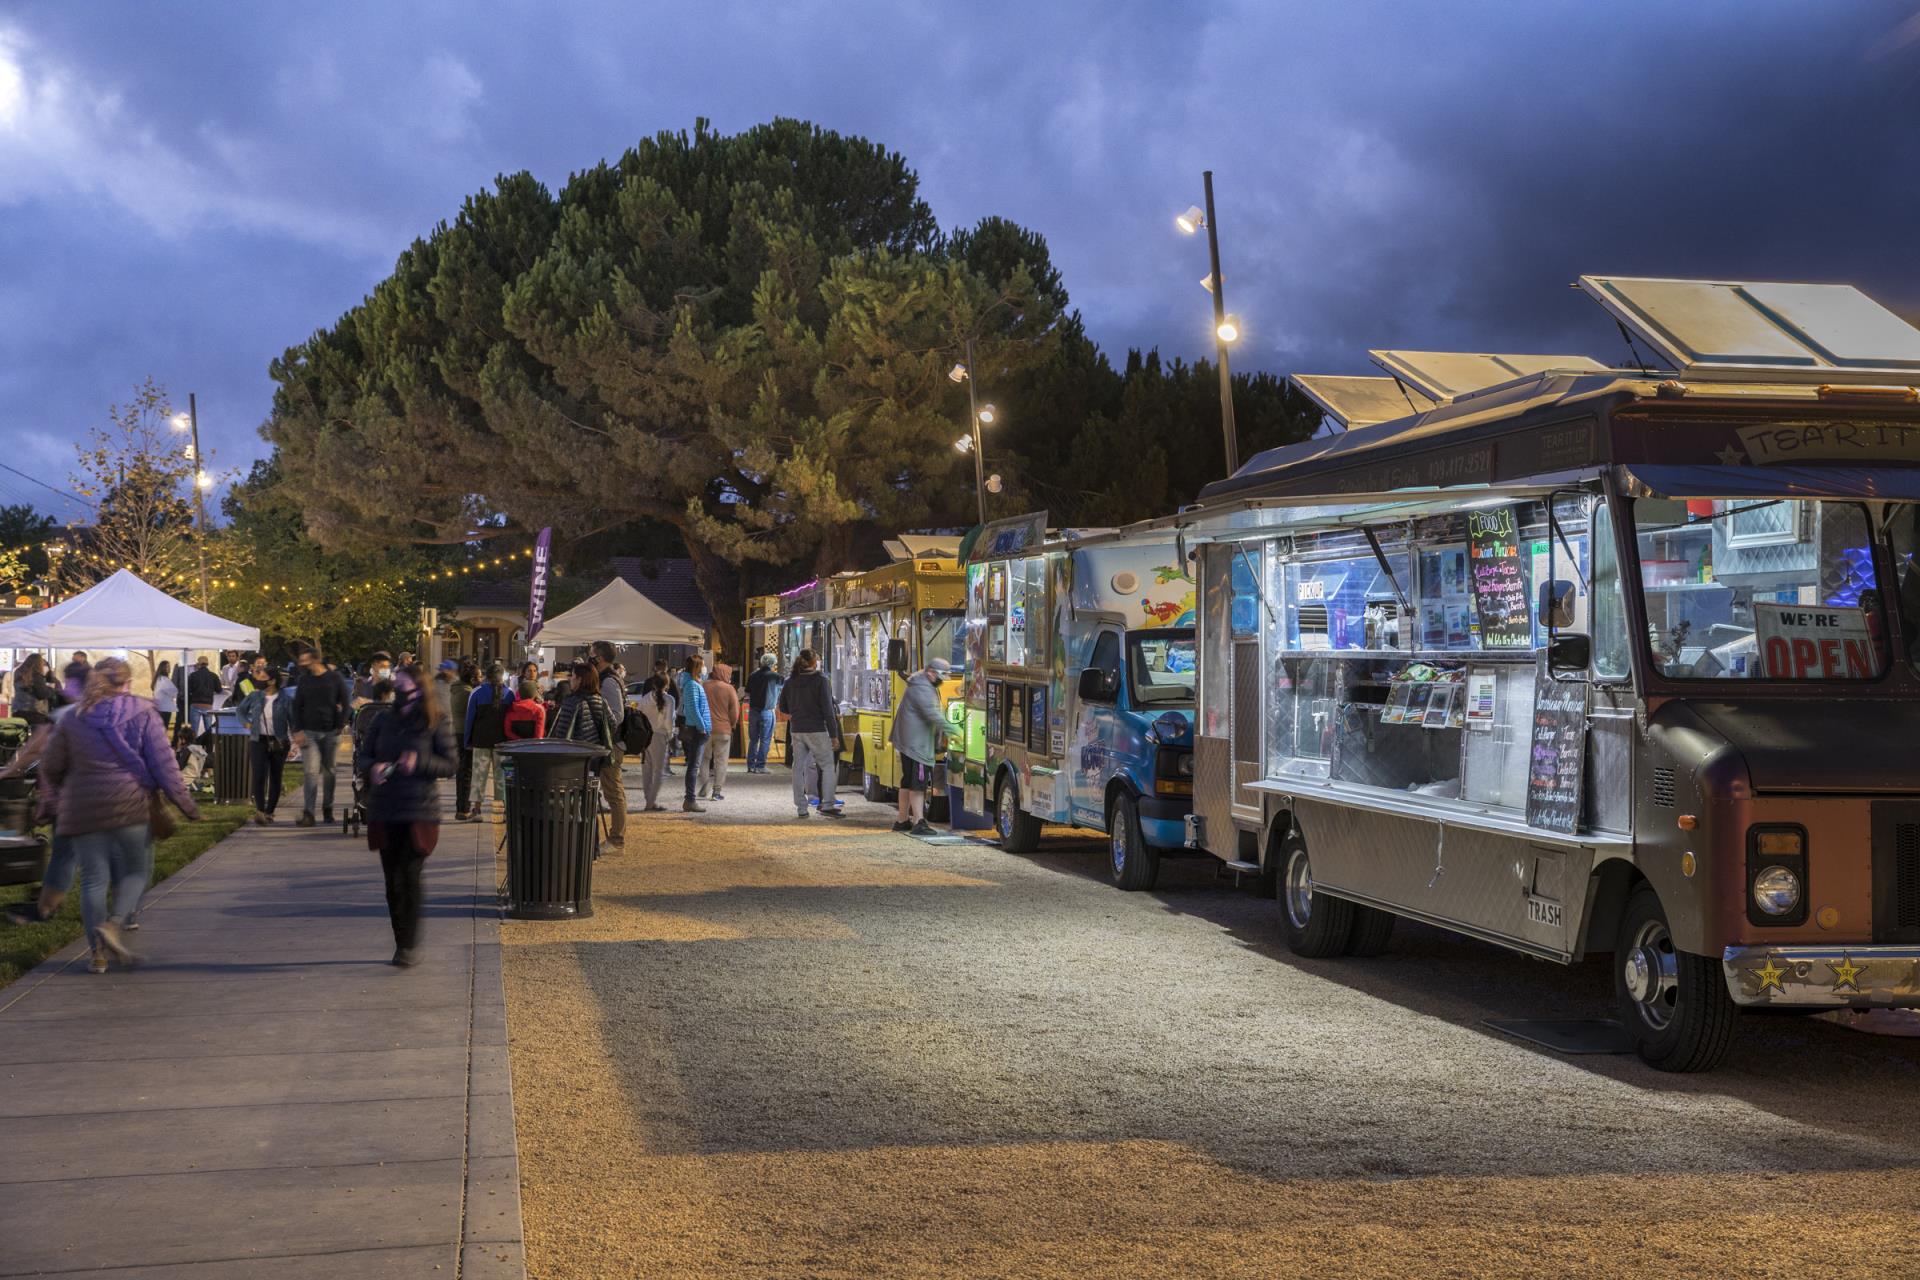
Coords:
pixel 996 694
pixel 1557 755
pixel 1498 572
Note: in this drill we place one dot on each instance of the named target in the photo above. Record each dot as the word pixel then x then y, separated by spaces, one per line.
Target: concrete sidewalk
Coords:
pixel 265 1095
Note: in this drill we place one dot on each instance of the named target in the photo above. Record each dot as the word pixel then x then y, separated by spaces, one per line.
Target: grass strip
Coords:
pixel 24 946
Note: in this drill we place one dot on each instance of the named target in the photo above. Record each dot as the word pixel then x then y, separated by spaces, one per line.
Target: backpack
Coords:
pixel 489 723
pixel 636 733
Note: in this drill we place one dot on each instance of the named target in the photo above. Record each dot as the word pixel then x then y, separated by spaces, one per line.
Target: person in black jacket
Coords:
pixel 203 690
pixel 402 753
pixel 320 703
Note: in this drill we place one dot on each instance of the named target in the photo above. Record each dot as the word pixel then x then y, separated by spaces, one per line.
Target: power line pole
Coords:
pixel 200 497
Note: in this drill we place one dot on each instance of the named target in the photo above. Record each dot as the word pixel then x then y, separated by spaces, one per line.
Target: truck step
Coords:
pixel 1250 868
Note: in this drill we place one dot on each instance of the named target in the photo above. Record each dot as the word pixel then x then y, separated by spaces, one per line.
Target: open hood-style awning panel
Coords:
pixel 1361 402
pixel 1448 375
pixel 1720 324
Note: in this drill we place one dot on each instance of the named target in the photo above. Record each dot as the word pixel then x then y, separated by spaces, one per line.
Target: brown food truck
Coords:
pixel 1578 659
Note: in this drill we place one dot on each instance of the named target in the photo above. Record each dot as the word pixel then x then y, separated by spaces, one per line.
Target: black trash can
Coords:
pixel 553 834
pixel 232 764
pixel 23 859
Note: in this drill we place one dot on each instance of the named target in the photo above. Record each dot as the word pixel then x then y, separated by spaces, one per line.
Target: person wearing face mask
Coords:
pixel 379 668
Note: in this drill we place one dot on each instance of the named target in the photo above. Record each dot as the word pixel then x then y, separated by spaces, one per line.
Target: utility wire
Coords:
pixel 71 497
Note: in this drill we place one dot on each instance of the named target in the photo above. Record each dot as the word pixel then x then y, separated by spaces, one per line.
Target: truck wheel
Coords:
pixel 870 789
pixel 1674 1005
pixel 1019 832
pixel 1372 931
pixel 1316 925
pixel 1134 862
pixel 845 771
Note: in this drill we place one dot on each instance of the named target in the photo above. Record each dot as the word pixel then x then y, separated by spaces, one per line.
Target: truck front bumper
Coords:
pixel 1867 977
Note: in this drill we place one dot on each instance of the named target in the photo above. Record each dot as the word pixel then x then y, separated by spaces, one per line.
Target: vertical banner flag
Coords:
pixel 537 601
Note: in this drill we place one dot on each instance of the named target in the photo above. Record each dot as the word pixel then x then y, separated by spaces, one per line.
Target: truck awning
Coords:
pixel 1893 484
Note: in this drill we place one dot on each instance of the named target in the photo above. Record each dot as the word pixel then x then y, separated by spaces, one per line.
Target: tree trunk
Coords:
pixel 719 583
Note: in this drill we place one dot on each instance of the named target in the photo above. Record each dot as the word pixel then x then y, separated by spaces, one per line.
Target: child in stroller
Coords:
pixel 359 720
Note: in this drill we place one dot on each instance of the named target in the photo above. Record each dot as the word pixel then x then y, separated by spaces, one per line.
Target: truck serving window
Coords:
pixel 1760 589
pixel 1162 668
pixel 943 634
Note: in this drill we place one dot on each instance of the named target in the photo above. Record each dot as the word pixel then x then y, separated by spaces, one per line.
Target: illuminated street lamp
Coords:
pixel 978 415
pixel 1226 328
pixel 190 423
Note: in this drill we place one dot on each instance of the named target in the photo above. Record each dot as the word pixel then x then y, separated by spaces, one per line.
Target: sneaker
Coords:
pixel 834 811
pixel 691 807
pixel 615 845
pixel 24 913
pixel 406 957
pixel 110 940
pixel 656 808
pixel 804 813
pixel 305 820
pixel 259 818
pixel 459 815
pixel 327 817
pixel 98 964
pixel 923 828
pixel 719 796
pixel 700 795
pixel 132 924
pixel 903 826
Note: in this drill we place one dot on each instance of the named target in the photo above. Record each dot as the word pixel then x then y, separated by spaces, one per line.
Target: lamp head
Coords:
pixel 964 444
pixel 1228 329
pixel 958 373
pixel 1192 220
pixel 987 412
pixel 180 422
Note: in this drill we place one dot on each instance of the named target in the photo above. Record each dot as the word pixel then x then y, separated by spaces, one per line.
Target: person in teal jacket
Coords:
pixel 698 718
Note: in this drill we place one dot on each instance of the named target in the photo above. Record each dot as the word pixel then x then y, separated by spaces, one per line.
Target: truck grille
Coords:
pixel 1663 788
pixel 1896 872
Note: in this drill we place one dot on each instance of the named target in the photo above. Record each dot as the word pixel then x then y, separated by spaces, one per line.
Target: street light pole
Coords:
pixel 199 496
pixel 1230 436
pixel 973 424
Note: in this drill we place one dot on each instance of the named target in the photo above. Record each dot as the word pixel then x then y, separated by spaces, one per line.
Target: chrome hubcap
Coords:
pixel 1299 889
pixel 1651 974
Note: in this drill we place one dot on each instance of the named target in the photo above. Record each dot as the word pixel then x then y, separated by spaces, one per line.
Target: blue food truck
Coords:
pixel 1080 691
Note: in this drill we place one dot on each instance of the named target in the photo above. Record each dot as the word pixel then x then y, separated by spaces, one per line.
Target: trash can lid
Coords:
pixel 552 748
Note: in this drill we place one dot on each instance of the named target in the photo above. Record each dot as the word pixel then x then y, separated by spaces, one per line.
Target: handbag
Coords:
pixel 160 816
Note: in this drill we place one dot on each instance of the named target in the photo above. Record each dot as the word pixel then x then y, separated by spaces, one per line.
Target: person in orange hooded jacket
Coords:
pixel 723 701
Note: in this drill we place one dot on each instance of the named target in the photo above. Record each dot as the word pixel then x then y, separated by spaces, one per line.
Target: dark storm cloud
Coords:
pixel 186 190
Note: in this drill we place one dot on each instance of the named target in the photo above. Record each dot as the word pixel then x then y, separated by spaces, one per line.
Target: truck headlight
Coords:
pixel 1776 891
pixel 1185 765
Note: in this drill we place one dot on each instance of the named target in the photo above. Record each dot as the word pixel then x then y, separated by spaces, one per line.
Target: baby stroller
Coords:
pixel 353 819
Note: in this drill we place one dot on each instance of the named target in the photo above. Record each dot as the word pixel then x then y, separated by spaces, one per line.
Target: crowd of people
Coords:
pixel 113 766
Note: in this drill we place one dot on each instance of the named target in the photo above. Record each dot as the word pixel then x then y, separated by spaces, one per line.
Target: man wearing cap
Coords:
pixel 919 732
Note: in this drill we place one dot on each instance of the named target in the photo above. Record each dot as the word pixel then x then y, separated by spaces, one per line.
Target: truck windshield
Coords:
pixel 1781 589
pixel 1160 665
pixel 943 634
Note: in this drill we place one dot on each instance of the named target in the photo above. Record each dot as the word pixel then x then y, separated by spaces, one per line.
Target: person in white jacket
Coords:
pixel 658 708
pixel 166 694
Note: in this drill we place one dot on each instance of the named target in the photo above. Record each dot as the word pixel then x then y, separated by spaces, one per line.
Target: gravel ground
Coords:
pixel 789 1048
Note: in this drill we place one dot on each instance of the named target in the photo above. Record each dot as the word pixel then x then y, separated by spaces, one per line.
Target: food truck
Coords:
pixel 1080 689
pixel 884 625
pixel 872 630
pixel 1576 659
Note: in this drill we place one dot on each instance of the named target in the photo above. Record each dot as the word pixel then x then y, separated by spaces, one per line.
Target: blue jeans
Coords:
pixel 317 758
pixel 61 864
pixel 759 738
pixel 119 859
pixel 695 743
pixel 199 720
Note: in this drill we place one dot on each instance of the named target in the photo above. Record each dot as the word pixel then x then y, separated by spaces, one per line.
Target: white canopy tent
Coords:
pixel 621 615
pixel 124 612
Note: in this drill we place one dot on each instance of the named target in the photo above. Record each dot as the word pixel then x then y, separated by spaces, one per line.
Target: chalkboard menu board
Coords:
pixel 1499 577
pixel 1557 754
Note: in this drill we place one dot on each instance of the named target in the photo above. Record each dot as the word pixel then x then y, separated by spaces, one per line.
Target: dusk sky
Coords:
pixel 187 189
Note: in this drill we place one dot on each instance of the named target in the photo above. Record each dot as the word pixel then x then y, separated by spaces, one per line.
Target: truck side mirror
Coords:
pixel 897 659
pixel 1098 686
pixel 1569 654
pixel 1556 603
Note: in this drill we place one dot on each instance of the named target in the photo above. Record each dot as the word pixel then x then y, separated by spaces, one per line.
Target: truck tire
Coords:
pixel 1019 831
pixel 1372 931
pixel 1315 925
pixel 871 789
pixel 1134 863
pixel 845 771
pixel 1673 1005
